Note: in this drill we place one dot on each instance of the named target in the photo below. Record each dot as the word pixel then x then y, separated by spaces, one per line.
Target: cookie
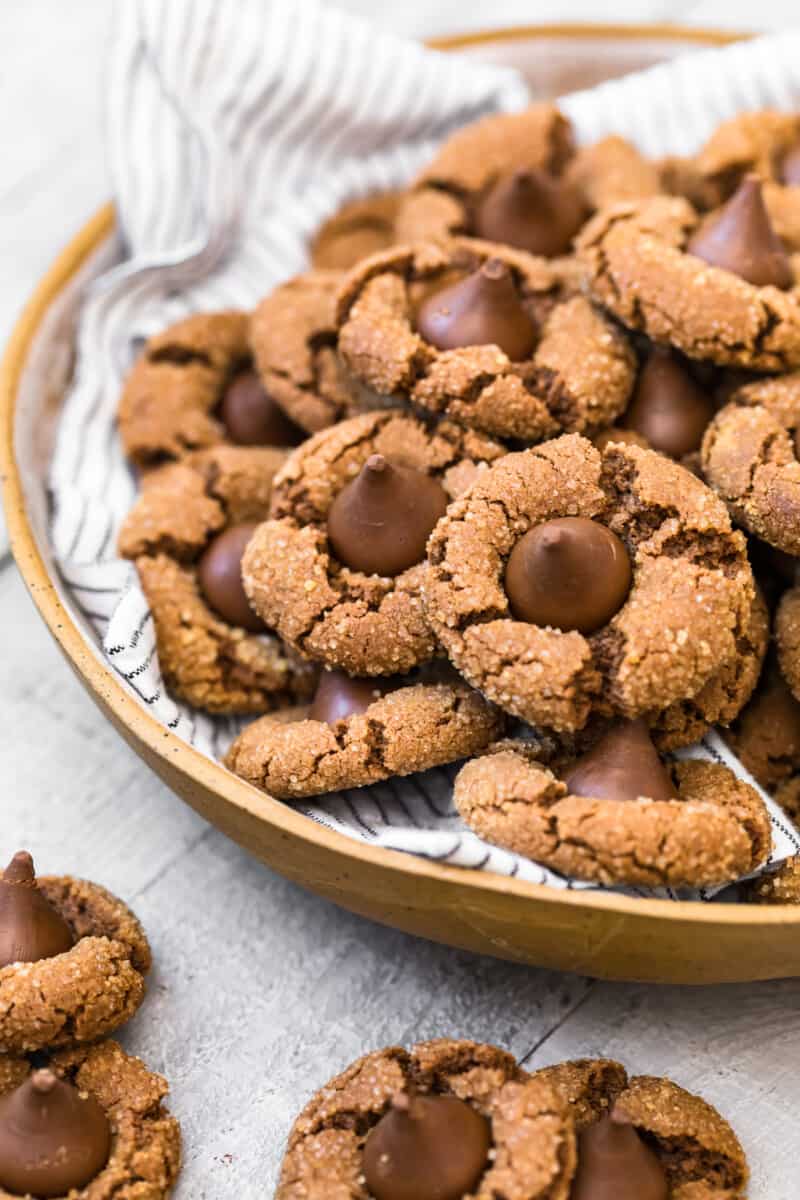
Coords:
pixel 193 387
pixel 74 960
pixel 357 229
pixel 693 1146
pixel 445 196
pixel 338 569
pixel 775 887
pixel 638 264
pixel 362 731
pixel 612 171
pixel 486 336
pixel 787 638
pixel 184 535
pixel 766 735
pixel 619 814
pixel 483 1129
pixel 646 591
pixel 750 457
pixel 94 1125
pixel 293 337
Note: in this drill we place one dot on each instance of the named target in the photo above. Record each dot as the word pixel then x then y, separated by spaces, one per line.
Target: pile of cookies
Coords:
pixel 510 475
pixel 457 1120
pixel 78 1116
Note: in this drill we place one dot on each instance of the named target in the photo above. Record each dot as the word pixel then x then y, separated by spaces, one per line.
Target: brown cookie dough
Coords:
pixel 637 265
pixel 443 198
pixel 532 1137
pixel 787 638
pixel 696 1147
pixel 417 726
pixel 171 399
pixel 86 992
pixel 359 228
pixel 691 593
pixel 715 831
pixel 206 660
pixel 363 624
pixel 293 337
pixel 578 376
pixel 146 1145
pixel 750 457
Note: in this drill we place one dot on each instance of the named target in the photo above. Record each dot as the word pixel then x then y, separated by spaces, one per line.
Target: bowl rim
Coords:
pixel 183 759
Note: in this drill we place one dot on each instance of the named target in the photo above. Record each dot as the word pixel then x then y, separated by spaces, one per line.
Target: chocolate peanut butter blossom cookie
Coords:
pixel 720 288
pixel 293 336
pixel 455 1120
pixel 787 638
pixel 750 457
pixel 90 1125
pixel 567 582
pixel 338 570
pixel 359 731
pixel 186 535
pixel 618 814
pixel 493 338
pixel 72 960
pixel 192 387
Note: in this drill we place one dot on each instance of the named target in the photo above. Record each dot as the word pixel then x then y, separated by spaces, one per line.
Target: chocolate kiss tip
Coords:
pixel 376 463
pixel 401 1101
pixel 494 268
pixel 44 1081
pixel 20 869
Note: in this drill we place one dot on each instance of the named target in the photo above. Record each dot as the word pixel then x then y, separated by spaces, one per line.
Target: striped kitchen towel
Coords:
pixel 235 128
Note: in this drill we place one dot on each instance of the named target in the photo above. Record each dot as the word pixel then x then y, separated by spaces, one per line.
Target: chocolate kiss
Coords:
pixel 380 523
pixel 615 1164
pixel 790 168
pixel 533 211
pixel 339 696
pixel 53 1138
pixel 30 928
pixel 484 309
pixel 569 573
pixel 219 573
pixel 740 238
pixel 668 407
pixel 426 1148
pixel 252 418
pixel 622 766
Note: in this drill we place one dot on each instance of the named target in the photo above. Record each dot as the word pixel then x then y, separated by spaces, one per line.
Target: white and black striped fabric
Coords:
pixel 235 127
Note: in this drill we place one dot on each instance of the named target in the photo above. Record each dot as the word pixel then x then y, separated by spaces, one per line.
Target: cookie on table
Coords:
pixel 645 1138
pixel 92 1123
pixel 485 335
pixel 293 337
pixel 339 567
pixel 618 814
pixel 750 457
pixel 566 582
pixel 444 1120
pixel 357 229
pixel 73 960
pixel 186 535
pixel 360 731
pixel 192 387
pixel 719 288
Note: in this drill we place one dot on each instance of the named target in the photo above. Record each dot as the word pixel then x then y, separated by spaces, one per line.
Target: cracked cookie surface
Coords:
pixel 357 229
pixel 420 725
pixel 637 266
pixel 146 1148
pixel 750 457
pixel 204 659
pixel 691 595
pixel 716 831
pixel 364 624
pixel 578 377
pixel 86 992
pixel 293 337
pixel 441 201
pixel 531 1131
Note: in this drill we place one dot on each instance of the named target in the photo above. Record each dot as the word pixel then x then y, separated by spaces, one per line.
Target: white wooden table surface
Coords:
pixel 261 991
